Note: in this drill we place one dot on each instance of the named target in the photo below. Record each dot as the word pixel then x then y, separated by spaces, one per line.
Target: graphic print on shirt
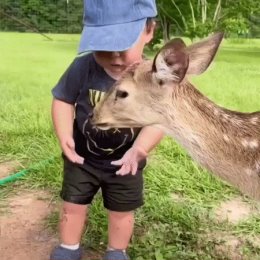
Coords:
pixel 100 142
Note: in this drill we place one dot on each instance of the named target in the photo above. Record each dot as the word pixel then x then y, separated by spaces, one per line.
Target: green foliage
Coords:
pixel 198 18
pixel 254 23
pixel 201 30
pixel 235 27
pixel 61 16
pixel 191 18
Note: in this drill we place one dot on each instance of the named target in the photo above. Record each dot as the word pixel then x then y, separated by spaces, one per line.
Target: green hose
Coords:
pixel 15 176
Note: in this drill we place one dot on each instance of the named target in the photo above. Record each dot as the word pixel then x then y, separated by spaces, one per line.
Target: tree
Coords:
pixel 60 16
pixel 197 18
pixel 191 18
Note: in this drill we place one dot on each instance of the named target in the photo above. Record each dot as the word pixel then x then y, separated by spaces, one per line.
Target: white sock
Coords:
pixel 70 247
pixel 113 249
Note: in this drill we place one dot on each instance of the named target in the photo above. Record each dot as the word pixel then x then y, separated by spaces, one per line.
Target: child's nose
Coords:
pixel 116 54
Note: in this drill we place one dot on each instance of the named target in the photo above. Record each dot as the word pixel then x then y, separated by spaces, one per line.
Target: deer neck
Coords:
pixel 214 136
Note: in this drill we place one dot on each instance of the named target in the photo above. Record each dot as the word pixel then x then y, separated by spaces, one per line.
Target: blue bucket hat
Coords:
pixel 114 25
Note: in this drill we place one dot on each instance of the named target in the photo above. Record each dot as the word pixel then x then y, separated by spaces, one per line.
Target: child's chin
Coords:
pixel 117 69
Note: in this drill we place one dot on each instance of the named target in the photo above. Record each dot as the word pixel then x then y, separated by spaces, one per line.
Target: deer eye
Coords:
pixel 121 94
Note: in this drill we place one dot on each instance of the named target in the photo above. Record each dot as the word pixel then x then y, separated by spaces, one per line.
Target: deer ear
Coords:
pixel 171 62
pixel 202 53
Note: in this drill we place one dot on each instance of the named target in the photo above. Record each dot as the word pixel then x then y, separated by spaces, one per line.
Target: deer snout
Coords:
pixel 96 121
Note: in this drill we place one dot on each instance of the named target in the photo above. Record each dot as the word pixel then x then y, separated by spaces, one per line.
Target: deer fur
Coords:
pixel 157 92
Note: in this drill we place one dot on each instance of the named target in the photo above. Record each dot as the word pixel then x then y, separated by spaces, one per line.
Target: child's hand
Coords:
pixel 68 148
pixel 130 160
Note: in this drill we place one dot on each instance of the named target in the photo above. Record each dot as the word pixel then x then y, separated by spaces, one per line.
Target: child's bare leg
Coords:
pixel 72 222
pixel 120 229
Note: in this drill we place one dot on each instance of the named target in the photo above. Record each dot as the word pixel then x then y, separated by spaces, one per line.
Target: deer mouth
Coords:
pixel 103 126
pixel 114 123
pixel 107 126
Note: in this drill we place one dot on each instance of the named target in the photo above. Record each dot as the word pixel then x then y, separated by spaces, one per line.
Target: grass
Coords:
pixel 180 196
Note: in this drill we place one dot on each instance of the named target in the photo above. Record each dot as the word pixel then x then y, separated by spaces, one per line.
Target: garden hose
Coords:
pixel 15 176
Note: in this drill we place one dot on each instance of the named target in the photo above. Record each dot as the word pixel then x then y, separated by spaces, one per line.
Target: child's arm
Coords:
pixel 63 117
pixel 147 139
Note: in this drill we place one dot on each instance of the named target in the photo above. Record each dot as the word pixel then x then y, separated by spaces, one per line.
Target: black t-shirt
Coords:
pixel 84 84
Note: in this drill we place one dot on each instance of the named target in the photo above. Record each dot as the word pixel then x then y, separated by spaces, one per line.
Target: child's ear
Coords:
pixel 149 30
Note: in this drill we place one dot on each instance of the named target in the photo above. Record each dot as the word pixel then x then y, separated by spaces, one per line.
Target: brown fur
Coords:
pixel 158 93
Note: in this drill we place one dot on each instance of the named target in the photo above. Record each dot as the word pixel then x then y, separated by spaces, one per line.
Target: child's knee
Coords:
pixel 120 215
pixel 69 208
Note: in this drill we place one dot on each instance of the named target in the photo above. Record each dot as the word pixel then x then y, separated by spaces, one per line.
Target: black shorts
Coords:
pixel 120 193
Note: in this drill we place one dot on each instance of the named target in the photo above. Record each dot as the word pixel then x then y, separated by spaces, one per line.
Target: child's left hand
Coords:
pixel 130 160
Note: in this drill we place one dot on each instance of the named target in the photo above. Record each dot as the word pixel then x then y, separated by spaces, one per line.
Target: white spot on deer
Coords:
pixel 228 119
pixel 244 142
pixel 216 112
pixel 249 172
pixel 195 138
pixel 237 122
pixel 226 138
pixel 253 144
pixel 254 120
pixel 186 104
pixel 209 105
pixel 257 166
pixel 226 116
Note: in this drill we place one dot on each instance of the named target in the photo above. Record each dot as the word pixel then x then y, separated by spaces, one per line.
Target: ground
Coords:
pixel 24 234
pixel 23 231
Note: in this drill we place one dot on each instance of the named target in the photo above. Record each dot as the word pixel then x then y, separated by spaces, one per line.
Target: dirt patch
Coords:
pixel 7 168
pixel 23 235
pixel 234 210
pixel 230 246
pixel 225 246
pixel 22 232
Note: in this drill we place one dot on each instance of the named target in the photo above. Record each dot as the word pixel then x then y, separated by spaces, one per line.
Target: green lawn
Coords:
pixel 177 219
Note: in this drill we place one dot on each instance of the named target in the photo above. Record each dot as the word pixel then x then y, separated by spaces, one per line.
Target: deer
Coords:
pixel 157 92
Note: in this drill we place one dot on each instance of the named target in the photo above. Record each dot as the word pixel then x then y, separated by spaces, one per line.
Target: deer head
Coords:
pixel 138 98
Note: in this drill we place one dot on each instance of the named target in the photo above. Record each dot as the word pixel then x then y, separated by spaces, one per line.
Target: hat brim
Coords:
pixel 116 37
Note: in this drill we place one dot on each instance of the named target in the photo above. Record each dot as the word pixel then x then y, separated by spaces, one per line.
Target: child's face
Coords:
pixel 116 62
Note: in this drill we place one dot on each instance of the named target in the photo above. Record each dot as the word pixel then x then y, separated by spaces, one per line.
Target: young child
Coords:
pixel 115 32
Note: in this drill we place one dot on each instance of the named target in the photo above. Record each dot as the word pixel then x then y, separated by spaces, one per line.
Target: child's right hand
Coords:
pixel 68 147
